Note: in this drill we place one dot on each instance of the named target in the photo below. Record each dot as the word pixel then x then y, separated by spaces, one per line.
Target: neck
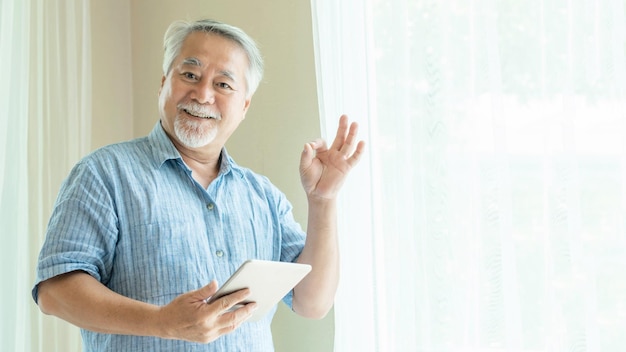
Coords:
pixel 204 162
pixel 203 170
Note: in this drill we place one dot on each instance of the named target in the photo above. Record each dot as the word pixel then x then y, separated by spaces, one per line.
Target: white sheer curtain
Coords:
pixel 489 214
pixel 45 112
pixel 14 269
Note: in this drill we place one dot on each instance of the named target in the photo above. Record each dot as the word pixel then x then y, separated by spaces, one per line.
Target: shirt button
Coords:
pixel 210 206
pixel 219 253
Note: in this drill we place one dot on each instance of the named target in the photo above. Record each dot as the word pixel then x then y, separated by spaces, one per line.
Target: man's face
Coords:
pixel 202 99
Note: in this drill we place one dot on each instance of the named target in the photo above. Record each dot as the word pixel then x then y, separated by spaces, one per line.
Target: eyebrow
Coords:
pixel 192 61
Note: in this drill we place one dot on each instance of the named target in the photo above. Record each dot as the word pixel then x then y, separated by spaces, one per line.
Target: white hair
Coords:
pixel 179 30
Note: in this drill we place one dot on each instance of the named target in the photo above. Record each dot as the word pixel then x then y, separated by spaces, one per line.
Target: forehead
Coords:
pixel 209 49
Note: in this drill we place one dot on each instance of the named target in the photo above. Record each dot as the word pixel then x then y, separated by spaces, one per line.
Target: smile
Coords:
pixel 198 112
pixel 200 116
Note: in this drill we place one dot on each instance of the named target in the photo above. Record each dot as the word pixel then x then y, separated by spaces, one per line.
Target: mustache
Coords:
pixel 199 111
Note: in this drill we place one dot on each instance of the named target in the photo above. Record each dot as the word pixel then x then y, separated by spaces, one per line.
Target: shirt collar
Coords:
pixel 163 149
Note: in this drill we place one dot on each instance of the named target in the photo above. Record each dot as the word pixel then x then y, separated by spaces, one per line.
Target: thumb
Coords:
pixel 208 290
pixel 307 157
pixel 310 152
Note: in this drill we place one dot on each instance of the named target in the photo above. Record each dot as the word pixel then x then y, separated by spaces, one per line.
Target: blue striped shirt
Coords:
pixel 131 215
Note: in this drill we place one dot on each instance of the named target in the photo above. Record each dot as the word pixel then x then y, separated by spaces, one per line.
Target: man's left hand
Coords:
pixel 322 169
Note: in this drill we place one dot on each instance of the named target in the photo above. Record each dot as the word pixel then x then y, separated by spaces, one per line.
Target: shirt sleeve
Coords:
pixel 292 235
pixel 82 230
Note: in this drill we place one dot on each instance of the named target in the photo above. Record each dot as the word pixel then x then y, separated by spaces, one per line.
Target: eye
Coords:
pixel 190 76
pixel 224 85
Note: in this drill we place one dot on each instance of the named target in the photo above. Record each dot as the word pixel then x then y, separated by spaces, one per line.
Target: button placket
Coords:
pixel 210 206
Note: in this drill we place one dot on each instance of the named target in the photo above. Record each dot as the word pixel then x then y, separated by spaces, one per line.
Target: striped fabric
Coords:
pixel 131 215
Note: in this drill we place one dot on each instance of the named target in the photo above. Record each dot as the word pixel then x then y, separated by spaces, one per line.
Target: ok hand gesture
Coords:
pixel 322 169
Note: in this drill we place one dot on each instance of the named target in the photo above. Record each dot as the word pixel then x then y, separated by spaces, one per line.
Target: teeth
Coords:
pixel 196 114
pixel 201 114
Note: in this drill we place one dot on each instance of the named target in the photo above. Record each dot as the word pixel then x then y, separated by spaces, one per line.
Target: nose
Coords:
pixel 204 92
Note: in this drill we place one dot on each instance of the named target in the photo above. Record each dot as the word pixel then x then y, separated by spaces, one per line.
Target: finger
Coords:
pixel 306 159
pixel 207 291
pixel 225 303
pixel 245 311
pixel 358 153
pixel 231 321
pixel 349 144
pixel 342 131
pixel 319 145
pixel 316 145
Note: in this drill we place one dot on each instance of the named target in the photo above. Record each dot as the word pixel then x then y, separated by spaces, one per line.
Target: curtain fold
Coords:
pixel 488 214
pixel 331 35
pixel 45 114
pixel 59 131
pixel 14 52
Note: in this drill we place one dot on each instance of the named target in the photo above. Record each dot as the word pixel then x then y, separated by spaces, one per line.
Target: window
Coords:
pixel 489 212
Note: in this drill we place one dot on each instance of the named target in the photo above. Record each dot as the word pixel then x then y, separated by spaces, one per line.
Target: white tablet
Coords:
pixel 268 281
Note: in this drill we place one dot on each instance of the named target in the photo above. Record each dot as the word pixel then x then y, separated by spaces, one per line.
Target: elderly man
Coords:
pixel 143 230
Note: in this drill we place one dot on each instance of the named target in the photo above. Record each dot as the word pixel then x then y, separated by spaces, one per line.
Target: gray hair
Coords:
pixel 179 30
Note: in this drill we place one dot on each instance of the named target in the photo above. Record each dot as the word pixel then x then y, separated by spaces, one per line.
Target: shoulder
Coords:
pixel 250 176
pixel 117 155
pixel 108 163
pixel 119 151
pixel 262 186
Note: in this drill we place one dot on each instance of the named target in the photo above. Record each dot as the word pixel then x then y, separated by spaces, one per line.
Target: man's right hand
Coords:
pixel 189 317
pixel 80 299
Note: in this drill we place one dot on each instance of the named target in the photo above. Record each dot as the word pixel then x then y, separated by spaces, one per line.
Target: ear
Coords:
pixel 245 107
pixel 162 82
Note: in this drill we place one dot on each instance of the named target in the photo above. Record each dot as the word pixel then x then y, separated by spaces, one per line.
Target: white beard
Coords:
pixel 193 134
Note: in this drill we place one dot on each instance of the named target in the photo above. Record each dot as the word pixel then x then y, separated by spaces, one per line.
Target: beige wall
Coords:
pixel 283 116
pixel 112 101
